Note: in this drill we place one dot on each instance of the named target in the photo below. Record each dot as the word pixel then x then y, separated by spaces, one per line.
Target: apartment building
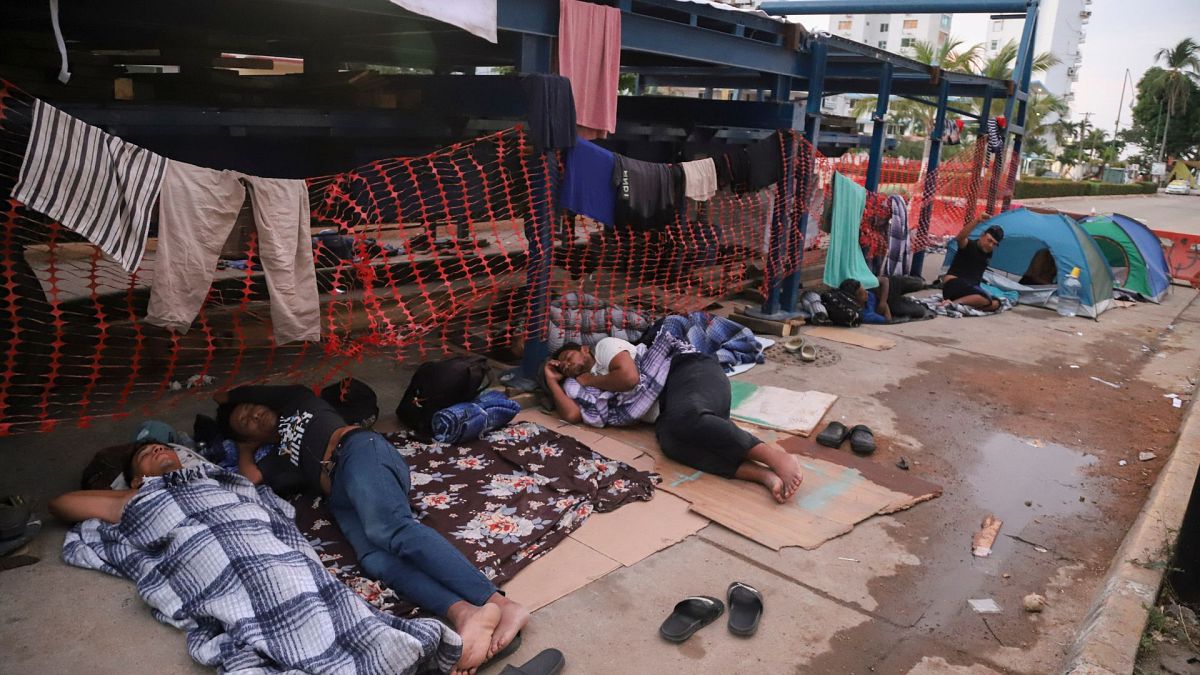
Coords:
pixel 893 32
pixel 1062 28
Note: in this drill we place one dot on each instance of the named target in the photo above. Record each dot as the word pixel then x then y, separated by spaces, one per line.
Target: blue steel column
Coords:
pixel 879 132
pixel 781 299
pixel 1025 77
pixel 1024 67
pixel 935 157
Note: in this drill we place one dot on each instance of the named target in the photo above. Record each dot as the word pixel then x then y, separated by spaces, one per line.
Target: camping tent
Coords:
pixel 1134 254
pixel 1025 234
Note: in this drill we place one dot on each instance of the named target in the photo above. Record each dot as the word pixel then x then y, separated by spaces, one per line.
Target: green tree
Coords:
pixel 1177 81
pixel 1152 132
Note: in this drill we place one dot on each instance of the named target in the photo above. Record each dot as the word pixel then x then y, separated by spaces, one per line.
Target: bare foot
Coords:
pixel 757 473
pixel 784 465
pixel 513 617
pixel 475 625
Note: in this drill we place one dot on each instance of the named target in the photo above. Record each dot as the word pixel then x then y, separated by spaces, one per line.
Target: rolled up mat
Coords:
pixel 468 421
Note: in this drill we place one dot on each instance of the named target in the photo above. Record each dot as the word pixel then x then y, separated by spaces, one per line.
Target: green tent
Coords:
pixel 1133 252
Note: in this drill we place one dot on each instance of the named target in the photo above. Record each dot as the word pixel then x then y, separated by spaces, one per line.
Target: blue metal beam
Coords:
pixel 800 7
pixel 935 158
pixel 879 132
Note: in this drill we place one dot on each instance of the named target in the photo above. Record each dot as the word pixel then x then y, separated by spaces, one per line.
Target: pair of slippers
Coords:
pixel 694 613
pixel 807 352
pixel 862 440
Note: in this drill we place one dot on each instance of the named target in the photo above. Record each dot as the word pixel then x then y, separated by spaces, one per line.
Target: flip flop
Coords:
pixel 862 441
pixel 547 662
pixel 689 616
pixel 834 435
pixel 808 353
pixel 745 608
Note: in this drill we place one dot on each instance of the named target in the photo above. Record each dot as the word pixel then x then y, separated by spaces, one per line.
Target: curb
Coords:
pixel 1107 640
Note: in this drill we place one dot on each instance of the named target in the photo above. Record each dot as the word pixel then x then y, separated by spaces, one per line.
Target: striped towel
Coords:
pixel 95 184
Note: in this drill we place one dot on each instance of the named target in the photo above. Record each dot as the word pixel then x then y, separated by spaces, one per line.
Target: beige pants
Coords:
pixel 197 210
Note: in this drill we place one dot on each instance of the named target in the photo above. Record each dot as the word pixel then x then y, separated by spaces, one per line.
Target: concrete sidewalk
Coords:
pixel 990 408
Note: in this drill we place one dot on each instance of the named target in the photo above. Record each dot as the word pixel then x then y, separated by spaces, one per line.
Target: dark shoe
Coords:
pixel 833 436
pixel 689 616
pixel 14 514
pixel 862 441
pixel 547 662
pixel 745 608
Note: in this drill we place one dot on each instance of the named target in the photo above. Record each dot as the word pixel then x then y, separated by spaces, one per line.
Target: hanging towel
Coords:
pixel 699 179
pixel 198 210
pixel 463 422
pixel 845 257
pixel 995 140
pixel 477 17
pixel 589 54
pixel 899 251
pixel 95 184
pixel 587 187
pixel 551 111
pixel 648 194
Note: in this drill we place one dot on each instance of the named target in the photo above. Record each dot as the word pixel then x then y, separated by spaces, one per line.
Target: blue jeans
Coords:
pixel 369 500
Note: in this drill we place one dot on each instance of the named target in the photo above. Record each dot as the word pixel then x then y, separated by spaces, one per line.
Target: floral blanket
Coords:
pixel 504 500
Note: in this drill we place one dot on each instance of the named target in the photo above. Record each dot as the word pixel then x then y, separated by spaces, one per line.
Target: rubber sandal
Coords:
pixel 862 441
pixel 808 353
pixel 794 345
pixel 547 662
pixel 689 616
pixel 745 608
pixel 834 435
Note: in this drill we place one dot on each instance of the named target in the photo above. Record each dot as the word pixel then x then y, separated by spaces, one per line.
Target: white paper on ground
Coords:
pixel 984 606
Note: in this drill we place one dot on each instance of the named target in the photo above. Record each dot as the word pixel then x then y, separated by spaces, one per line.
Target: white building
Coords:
pixel 1062 27
pixel 893 32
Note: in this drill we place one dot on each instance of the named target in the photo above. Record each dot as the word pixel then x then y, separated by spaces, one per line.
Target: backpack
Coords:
pixel 441 384
pixel 842 309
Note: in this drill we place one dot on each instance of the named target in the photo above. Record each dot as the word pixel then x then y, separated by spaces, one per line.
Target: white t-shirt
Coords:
pixel 606 350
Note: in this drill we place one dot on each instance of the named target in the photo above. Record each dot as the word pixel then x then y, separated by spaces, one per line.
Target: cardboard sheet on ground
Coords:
pixel 840 490
pixel 796 412
pixel 851 336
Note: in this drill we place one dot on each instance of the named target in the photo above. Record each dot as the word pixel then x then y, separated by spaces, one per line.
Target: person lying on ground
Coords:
pixel 368 485
pixel 687 396
pixel 224 561
pixel 886 303
pixel 962 283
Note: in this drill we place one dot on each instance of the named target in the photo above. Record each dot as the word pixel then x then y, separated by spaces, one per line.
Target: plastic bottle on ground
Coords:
pixel 1068 294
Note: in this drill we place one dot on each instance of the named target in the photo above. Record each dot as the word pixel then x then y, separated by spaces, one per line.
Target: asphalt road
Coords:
pixel 1173 213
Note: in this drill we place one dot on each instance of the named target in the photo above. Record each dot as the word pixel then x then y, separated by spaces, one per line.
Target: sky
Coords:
pixel 1121 34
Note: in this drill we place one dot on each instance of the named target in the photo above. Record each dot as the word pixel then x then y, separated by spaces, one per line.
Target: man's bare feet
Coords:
pixel 513 617
pixel 475 625
pixel 785 466
pixel 757 473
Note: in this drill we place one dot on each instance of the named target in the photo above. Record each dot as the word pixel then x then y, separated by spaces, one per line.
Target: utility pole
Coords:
pixel 1121 106
pixel 1083 131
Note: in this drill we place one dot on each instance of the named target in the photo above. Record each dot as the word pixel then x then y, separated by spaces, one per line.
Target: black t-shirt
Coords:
pixel 306 423
pixel 970 263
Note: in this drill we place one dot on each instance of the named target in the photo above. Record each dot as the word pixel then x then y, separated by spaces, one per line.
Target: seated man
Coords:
pixel 368 484
pixel 962 281
pixel 887 302
pixel 224 561
pixel 691 414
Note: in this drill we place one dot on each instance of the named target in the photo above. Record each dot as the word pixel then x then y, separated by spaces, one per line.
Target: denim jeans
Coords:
pixel 369 500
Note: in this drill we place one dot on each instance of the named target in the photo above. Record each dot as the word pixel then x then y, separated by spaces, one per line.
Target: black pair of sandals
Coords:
pixel 862 440
pixel 692 614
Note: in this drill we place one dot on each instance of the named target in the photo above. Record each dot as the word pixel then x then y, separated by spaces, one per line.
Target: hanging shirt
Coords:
pixel 765 162
pixel 699 179
pixel 551 111
pixel 648 193
pixel 587 187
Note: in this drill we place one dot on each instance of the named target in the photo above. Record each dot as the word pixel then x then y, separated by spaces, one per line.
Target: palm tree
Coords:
pixel 1183 67
pixel 948 56
pixel 999 66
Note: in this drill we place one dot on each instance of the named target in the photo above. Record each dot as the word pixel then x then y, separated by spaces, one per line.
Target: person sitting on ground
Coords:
pixel 690 415
pixel 962 283
pixel 368 485
pixel 886 303
pixel 224 561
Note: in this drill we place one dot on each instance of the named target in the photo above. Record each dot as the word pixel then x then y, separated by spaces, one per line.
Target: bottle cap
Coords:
pixel 1075 272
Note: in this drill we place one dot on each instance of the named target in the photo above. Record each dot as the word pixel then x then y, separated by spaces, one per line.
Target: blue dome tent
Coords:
pixel 1026 233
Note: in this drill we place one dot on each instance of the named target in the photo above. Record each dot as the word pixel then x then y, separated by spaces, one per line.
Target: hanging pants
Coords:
pixel 198 208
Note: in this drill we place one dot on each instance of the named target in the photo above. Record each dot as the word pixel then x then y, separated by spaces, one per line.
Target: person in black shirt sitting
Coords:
pixel 962 282
pixel 367 482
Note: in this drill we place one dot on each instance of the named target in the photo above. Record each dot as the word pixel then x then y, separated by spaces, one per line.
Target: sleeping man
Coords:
pixel 685 393
pixel 222 560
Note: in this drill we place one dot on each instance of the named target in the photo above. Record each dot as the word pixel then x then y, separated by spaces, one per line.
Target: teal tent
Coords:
pixel 1026 234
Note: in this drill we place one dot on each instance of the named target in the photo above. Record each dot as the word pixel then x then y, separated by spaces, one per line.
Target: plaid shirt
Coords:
pixel 222 560
pixel 601 408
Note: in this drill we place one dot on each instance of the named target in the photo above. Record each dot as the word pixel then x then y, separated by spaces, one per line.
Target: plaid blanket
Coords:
pixel 732 343
pixel 222 560
pixel 619 409
pixel 955 310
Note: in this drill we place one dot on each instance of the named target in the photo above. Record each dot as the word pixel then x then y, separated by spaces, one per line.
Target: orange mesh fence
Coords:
pixel 1183 255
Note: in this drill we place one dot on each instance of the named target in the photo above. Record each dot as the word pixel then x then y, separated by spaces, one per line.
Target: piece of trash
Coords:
pixel 849 559
pixel 1170 395
pixel 1122 463
pixel 1079 334
pixel 1146 456
pixel 1177 402
pixel 1082 498
pixel 175 385
pixel 984 606
pixel 1034 602
pixel 902 464
pixel 1006 575
pixel 1074 366
pixel 981 543
pixel 1041 549
pixel 1036 442
pixel 339 290
pixel 1028 502
pixel 1114 386
pixel 198 381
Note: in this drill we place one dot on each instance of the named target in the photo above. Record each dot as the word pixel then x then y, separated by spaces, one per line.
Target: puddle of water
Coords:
pixel 1012 470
